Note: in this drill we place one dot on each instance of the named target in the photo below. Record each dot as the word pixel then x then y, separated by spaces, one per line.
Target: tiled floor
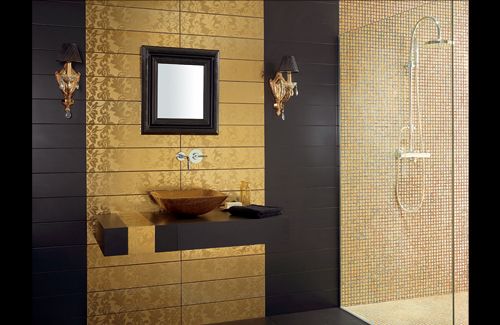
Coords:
pixel 433 310
pixel 330 316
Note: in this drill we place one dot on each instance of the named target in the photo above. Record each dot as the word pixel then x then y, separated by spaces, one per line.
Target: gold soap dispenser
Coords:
pixel 245 193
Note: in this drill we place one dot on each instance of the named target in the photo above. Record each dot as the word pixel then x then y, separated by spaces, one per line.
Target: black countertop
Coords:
pixel 213 229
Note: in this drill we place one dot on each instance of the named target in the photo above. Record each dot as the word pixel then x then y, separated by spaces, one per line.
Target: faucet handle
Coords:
pixel 196 156
pixel 180 156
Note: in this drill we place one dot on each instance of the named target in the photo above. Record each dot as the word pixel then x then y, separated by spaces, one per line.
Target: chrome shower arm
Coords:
pixel 412 61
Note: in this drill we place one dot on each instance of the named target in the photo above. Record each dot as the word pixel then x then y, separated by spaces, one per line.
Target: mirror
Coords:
pixel 179 90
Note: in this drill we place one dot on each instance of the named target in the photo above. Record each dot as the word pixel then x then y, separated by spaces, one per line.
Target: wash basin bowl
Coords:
pixel 188 202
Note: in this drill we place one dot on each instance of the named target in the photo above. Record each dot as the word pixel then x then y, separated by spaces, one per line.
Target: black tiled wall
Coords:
pixel 302 157
pixel 58 171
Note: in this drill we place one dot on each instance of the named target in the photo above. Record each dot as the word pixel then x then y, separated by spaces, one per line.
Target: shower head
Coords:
pixel 438 43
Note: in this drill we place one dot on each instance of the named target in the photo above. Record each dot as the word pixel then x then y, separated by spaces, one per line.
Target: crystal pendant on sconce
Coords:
pixel 68 114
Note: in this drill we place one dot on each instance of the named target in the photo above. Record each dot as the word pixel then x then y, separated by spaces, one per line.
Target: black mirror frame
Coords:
pixel 151 124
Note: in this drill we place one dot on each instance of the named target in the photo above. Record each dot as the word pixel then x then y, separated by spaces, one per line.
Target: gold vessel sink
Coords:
pixel 188 202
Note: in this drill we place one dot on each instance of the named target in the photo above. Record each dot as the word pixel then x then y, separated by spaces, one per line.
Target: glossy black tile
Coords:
pixel 51 111
pixel 58 209
pixel 58 136
pixel 59 283
pixel 58 185
pixel 58 160
pixel 51 259
pixel 58 234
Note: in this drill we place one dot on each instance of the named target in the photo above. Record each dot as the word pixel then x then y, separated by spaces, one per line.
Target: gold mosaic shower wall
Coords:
pixel 387 254
pixel 122 164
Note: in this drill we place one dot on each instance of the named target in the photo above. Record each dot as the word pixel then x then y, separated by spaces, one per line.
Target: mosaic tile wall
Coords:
pixel 387 254
pixel 122 164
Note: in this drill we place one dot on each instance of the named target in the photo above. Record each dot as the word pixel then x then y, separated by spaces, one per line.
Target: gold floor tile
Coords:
pixel 127 300
pixel 115 136
pixel 151 4
pixel 195 254
pixel 221 25
pixel 223 311
pixel 241 114
pixel 131 159
pixel 133 276
pixel 230 48
pixel 229 136
pixel 113 112
pixel 222 290
pixel 222 268
pixel 222 180
pixel 118 41
pixel 241 92
pixel 238 8
pixel 171 316
pixel 96 259
pixel 123 183
pixel 228 158
pixel 136 19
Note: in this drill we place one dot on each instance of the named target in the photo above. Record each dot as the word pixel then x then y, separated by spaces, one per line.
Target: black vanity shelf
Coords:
pixel 213 229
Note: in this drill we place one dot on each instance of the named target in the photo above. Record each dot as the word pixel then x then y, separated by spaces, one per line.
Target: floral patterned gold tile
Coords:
pixel 256 196
pixel 241 92
pixel 151 4
pixel 229 158
pixel 113 65
pixel 116 136
pixel 223 311
pixel 119 41
pixel 222 290
pixel 222 180
pixel 113 88
pixel 119 203
pixel 222 268
pixel 123 183
pixel 132 159
pixel 127 300
pixel 238 8
pixel 219 25
pixel 156 316
pixel 133 276
pixel 240 70
pixel 113 112
pixel 136 19
pixel 229 136
pixel 194 254
pixel 241 114
pixel 229 48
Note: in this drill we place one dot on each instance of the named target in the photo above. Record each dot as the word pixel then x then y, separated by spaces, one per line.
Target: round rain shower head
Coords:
pixel 438 43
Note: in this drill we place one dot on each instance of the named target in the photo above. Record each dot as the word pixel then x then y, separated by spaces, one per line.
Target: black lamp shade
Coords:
pixel 69 53
pixel 288 63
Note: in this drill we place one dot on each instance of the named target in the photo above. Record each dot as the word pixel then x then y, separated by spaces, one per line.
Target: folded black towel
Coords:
pixel 254 211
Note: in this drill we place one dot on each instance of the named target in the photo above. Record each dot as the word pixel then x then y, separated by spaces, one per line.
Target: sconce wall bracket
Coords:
pixel 282 90
pixel 68 80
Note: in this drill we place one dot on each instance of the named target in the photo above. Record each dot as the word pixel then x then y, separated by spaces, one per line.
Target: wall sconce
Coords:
pixel 67 78
pixel 284 89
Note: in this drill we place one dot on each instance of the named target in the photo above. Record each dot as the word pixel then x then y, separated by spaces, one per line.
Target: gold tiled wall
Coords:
pixel 122 164
pixel 387 254
pixel 200 286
